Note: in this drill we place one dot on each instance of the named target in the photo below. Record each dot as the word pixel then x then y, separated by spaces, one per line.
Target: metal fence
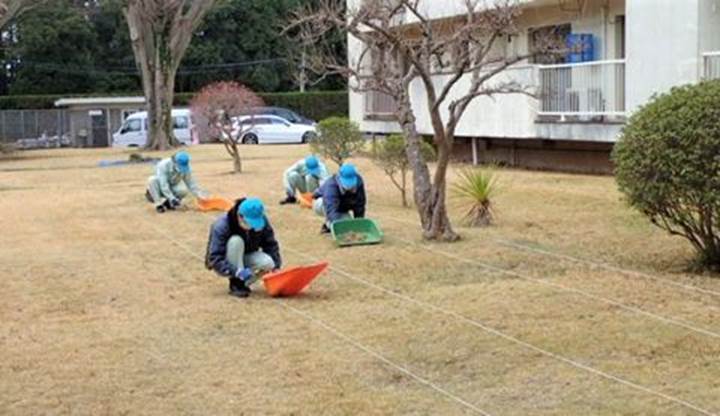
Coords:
pixel 49 127
pixel 711 63
pixel 583 89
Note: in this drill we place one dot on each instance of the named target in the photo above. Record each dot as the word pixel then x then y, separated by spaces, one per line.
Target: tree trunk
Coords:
pixel 403 189
pixel 429 196
pixel 237 161
pixel 162 90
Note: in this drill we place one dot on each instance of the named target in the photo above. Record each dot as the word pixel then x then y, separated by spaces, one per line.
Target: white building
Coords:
pixel 640 47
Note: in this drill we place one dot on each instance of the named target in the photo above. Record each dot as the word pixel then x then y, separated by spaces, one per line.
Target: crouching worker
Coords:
pixel 304 176
pixel 242 246
pixel 172 182
pixel 340 195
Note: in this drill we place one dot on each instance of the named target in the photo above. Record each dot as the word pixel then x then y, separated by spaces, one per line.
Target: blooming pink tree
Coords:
pixel 216 109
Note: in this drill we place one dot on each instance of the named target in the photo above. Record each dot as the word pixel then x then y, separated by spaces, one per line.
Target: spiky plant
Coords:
pixel 474 190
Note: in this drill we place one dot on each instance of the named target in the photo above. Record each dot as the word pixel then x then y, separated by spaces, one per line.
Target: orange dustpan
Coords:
pixel 213 204
pixel 290 282
pixel 306 200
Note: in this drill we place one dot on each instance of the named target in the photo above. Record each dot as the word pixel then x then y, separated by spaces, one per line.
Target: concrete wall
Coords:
pixel 663 47
pixel 538 154
pixel 709 25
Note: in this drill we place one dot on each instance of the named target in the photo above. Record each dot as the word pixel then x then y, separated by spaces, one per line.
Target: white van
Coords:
pixel 134 130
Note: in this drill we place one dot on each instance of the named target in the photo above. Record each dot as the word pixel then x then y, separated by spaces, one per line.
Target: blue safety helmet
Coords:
pixel 312 164
pixel 182 162
pixel 348 176
pixel 253 212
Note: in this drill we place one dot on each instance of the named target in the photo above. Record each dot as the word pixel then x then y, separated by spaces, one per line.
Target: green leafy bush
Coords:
pixel 338 139
pixel 475 189
pixel 389 155
pixel 668 165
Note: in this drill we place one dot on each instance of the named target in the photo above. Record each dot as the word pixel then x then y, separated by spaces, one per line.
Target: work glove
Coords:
pixel 244 274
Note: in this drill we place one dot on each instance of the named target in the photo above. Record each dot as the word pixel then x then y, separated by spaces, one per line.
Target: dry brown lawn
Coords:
pixel 107 308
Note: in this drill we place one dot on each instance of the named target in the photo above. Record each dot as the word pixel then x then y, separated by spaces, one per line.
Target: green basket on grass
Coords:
pixel 356 232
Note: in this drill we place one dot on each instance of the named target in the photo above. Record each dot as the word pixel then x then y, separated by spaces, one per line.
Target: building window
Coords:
pixel 549 37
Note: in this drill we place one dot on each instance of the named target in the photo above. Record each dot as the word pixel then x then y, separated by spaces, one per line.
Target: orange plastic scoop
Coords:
pixel 306 200
pixel 213 204
pixel 290 282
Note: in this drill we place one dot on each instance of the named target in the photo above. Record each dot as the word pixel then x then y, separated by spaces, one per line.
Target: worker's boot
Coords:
pixel 148 196
pixel 238 288
pixel 324 229
pixel 290 199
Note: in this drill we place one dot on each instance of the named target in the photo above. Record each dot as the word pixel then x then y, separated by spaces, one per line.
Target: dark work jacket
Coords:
pixel 227 226
pixel 337 201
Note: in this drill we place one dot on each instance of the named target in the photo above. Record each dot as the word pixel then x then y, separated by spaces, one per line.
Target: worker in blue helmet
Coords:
pixel 342 196
pixel 305 175
pixel 242 246
pixel 172 182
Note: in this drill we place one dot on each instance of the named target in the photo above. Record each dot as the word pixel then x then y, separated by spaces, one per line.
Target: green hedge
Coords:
pixel 314 105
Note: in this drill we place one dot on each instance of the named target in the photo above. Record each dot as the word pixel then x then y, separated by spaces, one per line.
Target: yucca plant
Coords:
pixel 474 190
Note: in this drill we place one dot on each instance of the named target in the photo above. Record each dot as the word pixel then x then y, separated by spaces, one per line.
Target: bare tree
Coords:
pixel 9 9
pixel 456 60
pixel 216 109
pixel 160 32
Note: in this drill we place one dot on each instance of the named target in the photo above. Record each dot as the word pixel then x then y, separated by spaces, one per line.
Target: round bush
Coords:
pixel 668 165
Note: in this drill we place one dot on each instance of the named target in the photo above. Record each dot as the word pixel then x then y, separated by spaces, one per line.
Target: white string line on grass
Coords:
pixel 344 337
pixel 668 320
pixel 493 331
pixel 380 357
pixel 560 287
pixel 596 264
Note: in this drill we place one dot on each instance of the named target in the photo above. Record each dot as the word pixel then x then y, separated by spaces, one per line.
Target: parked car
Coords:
pixel 134 130
pixel 265 129
pixel 285 113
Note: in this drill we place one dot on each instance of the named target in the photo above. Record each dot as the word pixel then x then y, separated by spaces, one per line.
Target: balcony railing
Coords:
pixel 582 89
pixel 711 65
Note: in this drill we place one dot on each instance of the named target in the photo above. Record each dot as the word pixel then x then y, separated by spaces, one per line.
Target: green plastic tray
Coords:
pixel 364 226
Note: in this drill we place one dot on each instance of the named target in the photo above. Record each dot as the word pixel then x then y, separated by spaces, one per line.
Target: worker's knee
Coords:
pixel 236 245
pixel 266 263
pixel 260 261
pixel 296 182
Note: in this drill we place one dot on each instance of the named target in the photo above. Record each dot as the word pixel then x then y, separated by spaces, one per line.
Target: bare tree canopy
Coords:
pixel 456 59
pixel 9 9
pixel 160 33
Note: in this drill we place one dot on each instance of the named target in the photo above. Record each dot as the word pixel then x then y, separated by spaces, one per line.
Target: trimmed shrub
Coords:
pixel 668 165
pixel 338 139
pixel 390 156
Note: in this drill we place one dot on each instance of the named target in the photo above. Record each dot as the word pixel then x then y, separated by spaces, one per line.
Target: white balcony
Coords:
pixel 711 65
pixel 587 89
